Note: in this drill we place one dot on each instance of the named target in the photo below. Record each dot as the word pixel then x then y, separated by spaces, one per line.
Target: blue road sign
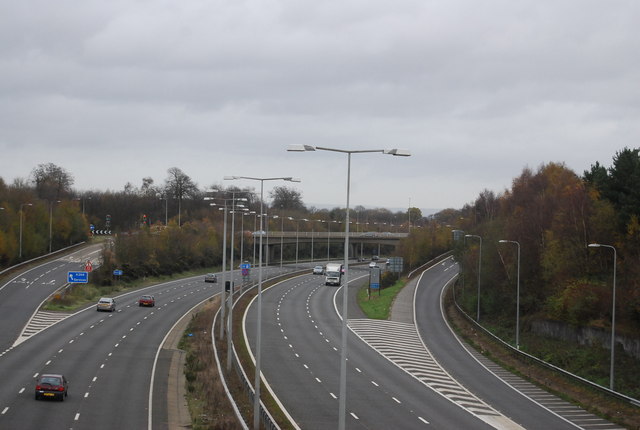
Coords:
pixel 77 277
pixel 117 272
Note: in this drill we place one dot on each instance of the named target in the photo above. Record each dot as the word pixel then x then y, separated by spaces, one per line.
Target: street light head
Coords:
pixel 398 152
pixel 594 245
pixel 292 179
pixel 300 148
pixel 503 241
pixel 230 178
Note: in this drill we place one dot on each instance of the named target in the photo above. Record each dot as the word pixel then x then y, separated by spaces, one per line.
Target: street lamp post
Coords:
pixel 613 312
pixel 343 361
pixel 246 213
pixel 255 220
pixel 166 207
pixel 328 239
pixel 281 237
pixel 51 223
pixel 479 266
pixel 297 233
pixel 234 207
pixel 21 205
pixel 256 397
pixel 517 294
pixel 312 233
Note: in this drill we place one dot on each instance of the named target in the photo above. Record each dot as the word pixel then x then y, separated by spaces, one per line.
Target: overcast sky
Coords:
pixel 115 91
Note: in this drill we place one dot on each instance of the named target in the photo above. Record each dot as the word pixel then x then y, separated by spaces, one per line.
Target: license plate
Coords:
pixel 48 394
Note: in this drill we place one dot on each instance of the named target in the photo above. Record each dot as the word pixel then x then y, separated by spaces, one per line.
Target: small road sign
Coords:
pixel 117 272
pixel 77 277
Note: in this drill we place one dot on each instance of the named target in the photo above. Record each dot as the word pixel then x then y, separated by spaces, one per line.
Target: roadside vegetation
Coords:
pixel 376 304
pixel 551 215
pixel 209 405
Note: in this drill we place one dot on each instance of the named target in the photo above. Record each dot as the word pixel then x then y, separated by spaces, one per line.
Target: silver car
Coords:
pixel 106 304
pixel 210 277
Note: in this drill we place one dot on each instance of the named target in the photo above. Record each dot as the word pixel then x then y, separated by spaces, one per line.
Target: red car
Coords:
pixel 147 300
pixel 51 386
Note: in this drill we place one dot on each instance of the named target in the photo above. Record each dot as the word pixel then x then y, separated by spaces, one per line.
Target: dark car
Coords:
pixel 51 386
pixel 147 300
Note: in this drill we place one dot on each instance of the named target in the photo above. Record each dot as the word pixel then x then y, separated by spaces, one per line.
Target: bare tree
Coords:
pixel 287 198
pixel 52 182
pixel 179 185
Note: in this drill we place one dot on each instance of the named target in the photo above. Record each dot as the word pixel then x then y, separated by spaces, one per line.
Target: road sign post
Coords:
pixel 374 280
pixel 77 277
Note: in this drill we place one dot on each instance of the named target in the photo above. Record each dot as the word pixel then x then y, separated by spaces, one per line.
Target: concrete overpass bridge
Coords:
pixel 318 245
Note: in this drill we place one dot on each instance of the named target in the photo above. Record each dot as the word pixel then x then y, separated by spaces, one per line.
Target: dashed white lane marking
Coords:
pixel 400 344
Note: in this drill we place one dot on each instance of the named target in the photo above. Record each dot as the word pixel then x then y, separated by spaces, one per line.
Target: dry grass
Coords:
pixel 208 404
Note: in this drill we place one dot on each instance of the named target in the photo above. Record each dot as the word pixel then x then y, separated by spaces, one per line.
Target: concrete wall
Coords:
pixel 585 335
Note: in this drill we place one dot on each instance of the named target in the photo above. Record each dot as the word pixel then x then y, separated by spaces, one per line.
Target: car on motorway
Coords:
pixel 210 277
pixel 147 300
pixel 373 264
pixel 52 386
pixel 106 304
pixel 318 270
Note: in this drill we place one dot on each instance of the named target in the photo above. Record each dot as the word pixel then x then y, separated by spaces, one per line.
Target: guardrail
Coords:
pixel 265 417
pixel 543 363
pixel 42 257
pixel 430 263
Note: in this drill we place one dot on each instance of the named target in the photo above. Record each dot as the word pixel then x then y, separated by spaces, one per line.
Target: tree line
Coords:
pixel 554 215
pixel 175 211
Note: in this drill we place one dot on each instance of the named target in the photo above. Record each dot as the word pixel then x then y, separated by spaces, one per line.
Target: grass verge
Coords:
pixel 378 305
pixel 209 406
